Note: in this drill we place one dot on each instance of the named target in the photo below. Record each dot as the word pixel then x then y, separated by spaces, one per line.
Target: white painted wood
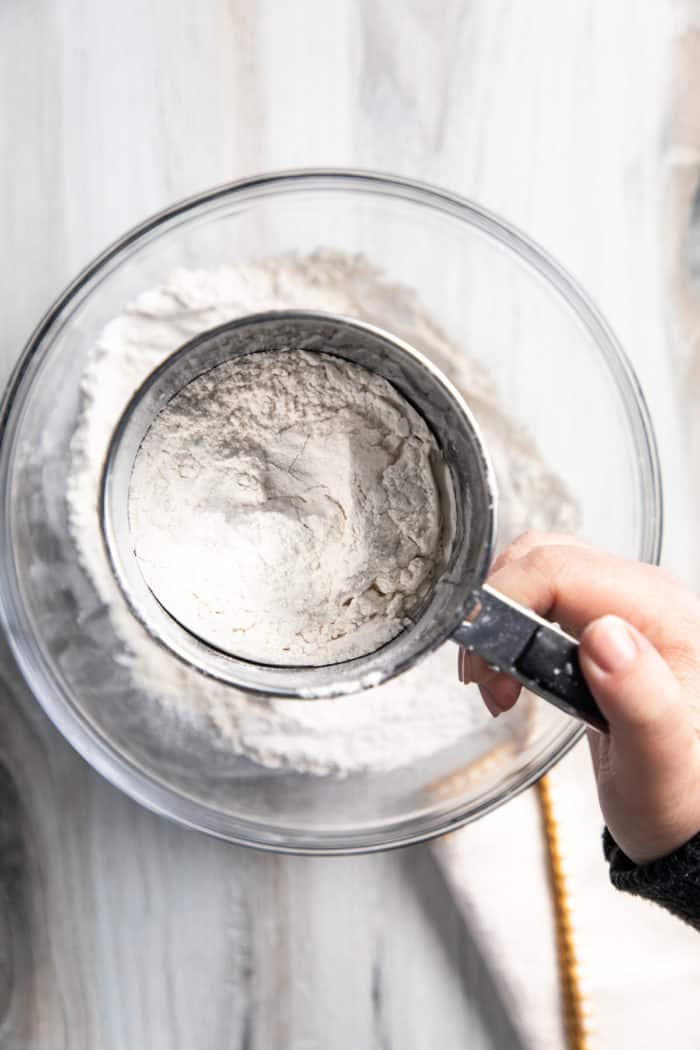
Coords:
pixel 116 928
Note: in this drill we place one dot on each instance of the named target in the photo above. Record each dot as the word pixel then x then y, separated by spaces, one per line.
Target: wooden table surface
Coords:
pixel 575 120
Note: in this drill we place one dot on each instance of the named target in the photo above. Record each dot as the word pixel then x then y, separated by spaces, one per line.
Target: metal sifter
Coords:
pixel 460 607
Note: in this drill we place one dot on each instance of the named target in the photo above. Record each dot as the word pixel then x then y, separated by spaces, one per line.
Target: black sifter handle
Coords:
pixel 535 652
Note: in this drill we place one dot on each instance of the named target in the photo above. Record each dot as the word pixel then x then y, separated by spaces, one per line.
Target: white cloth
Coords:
pixel 639 965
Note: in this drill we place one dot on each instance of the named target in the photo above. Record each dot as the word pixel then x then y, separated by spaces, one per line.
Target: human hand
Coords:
pixel 639 632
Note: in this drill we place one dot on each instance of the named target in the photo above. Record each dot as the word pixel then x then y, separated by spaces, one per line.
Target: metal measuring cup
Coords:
pixel 460 607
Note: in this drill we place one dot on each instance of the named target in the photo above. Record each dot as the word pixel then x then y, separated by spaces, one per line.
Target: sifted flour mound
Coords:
pixel 284 508
pixel 413 716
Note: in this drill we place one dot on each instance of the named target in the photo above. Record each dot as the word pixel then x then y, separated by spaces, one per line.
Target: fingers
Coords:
pixel 574 584
pixel 634 686
pixel 562 578
pixel 499 692
pixel 529 541
pixel 648 768
pixel 638 630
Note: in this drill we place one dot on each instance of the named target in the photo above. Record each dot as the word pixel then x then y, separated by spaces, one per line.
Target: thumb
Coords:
pixel 634 686
pixel 648 768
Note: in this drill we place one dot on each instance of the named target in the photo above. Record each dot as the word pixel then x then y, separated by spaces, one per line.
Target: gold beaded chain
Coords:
pixel 573 1002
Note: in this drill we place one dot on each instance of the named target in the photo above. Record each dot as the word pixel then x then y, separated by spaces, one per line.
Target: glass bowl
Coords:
pixel 551 360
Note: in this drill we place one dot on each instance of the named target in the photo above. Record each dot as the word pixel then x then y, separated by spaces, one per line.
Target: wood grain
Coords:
pixel 118 929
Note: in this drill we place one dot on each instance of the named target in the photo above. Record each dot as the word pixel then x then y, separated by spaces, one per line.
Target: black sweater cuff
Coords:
pixel 672 881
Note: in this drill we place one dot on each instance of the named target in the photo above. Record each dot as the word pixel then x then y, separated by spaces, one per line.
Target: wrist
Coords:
pixel 641 851
pixel 672 881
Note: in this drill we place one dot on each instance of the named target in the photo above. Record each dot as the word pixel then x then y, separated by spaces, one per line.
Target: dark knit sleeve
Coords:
pixel 672 881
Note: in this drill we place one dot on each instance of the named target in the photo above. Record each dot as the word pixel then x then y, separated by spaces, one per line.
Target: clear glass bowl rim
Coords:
pixel 86 740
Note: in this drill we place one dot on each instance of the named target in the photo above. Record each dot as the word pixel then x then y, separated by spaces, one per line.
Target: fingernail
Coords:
pixel 466 667
pixel 611 645
pixel 504 691
pixel 490 702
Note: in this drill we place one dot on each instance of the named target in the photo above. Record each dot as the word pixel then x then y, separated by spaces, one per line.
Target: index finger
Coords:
pixel 479 671
pixel 574 584
pixel 528 540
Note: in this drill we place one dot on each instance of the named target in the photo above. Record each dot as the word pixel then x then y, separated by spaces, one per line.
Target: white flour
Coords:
pixel 284 508
pixel 413 716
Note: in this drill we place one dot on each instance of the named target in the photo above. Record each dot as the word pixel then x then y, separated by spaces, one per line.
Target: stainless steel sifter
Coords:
pixel 511 638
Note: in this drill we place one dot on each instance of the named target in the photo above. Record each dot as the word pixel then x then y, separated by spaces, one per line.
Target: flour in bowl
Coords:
pixel 411 717
pixel 284 508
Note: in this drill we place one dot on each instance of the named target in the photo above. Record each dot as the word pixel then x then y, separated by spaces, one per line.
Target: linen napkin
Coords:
pixel 639 967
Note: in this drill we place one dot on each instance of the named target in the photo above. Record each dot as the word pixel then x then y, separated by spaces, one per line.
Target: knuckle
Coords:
pixel 548 562
pixel 682 657
pixel 529 539
pixel 518 548
pixel 667 577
